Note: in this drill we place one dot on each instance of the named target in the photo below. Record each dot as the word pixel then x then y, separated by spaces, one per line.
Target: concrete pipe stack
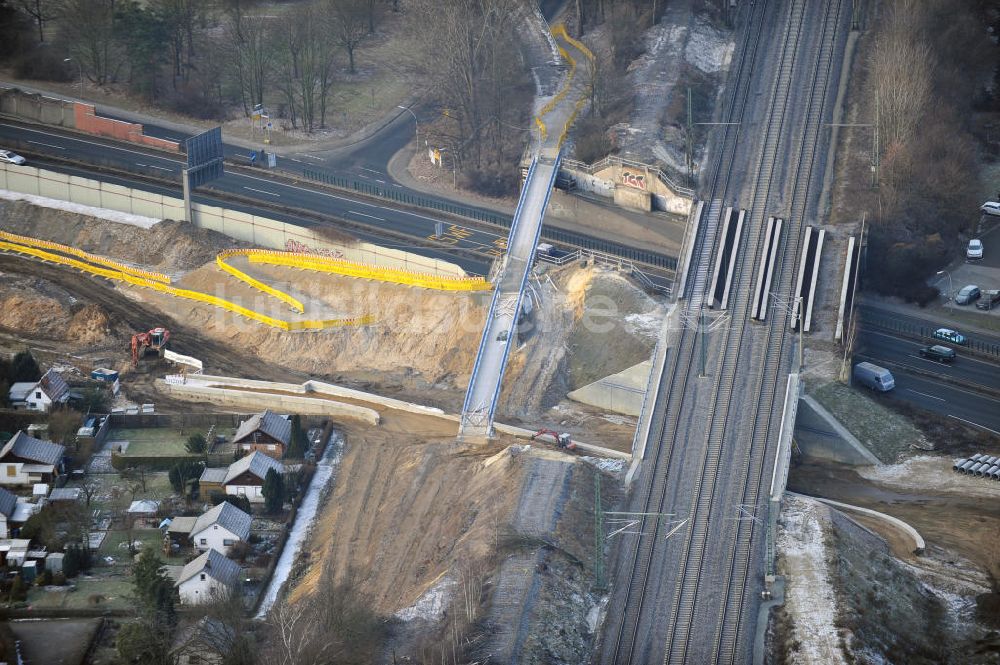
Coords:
pixel 981 465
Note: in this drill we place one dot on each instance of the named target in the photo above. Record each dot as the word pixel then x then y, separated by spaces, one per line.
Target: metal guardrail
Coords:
pixel 923 332
pixel 607 260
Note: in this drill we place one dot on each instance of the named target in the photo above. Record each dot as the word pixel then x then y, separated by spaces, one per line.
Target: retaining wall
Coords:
pixel 262 231
pixel 820 435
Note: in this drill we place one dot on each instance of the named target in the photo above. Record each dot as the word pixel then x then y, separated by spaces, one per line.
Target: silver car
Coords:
pixel 11 158
pixel 968 295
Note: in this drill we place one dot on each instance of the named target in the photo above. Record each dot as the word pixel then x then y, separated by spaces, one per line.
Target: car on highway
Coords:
pixel 504 334
pixel 12 158
pixel 990 208
pixel 975 249
pixel 942 354
pixel 874 377
pixel 949 335
pixel 968 295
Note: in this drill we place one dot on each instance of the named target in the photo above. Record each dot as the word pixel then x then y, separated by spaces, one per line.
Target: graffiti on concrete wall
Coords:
pixel 636 180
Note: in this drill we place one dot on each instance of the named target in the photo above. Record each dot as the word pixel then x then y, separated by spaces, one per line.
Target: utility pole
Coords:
pixel 801 317
pixel 704 340
pixel 690 140
pixel 598 533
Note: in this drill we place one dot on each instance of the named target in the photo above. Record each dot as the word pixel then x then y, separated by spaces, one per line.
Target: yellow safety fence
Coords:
pixel 220 261
pixel 366 271
pixel 560 32
pixel 92 258
pixel 124 276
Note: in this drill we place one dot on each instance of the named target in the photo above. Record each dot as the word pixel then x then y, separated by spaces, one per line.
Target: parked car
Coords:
pixel 990 208
pixel 11 158
pixel 939 353
pixel 949 335
pixel 975 249
pixel 874 377
pixel 989 300
pixel 502 337
pixel 968 295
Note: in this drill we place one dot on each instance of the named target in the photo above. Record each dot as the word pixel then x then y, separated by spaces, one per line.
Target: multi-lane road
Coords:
pixel 367 203
pixel 967 390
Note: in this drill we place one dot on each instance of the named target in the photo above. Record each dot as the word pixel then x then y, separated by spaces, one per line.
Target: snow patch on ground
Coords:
pixel 928 473
pixel 614 466
pixel 647 324
pixel 326 470
pixel 432 604
pixel 708 49
pixel 91 211
pixel 809 597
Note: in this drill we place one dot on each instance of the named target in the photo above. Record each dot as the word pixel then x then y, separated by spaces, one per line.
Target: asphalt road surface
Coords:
pixel 892 352
pixel 275 193
pixel 952 402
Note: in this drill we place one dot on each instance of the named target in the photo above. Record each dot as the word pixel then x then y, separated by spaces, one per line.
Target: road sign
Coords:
pixel 272 160
pixel 204 156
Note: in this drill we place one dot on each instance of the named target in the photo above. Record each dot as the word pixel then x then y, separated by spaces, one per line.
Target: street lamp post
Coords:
pixel 416 123
pixel 945 272
pixel 80 67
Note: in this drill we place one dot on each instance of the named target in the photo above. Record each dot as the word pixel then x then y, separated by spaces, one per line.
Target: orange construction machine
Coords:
pixel 155 339
pixel 562 440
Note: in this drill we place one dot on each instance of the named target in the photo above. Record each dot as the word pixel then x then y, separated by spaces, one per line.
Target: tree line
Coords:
pixel 199 57
pixel 928 72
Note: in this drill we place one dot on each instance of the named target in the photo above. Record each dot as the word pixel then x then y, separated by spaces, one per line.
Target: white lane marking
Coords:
pixel 917 392
pixel 381 182
pixel 355 212
pixel 99 145
pixel 360 203
pixel 262 191
pixel 318 159
pixel 153 166
pixel 371 171
pixel 362 175
pixel 969 422
pixel 296 160
pixel 48 145
pixel 396 184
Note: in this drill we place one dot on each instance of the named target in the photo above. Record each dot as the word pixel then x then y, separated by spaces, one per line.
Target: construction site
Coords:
pixel 388 362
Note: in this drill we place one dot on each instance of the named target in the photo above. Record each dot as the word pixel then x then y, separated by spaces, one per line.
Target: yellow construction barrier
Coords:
pixel 123 276
pixel 220 261
pixel 366 271
pixel 92 258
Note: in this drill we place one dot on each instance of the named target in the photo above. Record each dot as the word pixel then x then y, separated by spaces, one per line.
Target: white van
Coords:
pixel 874 377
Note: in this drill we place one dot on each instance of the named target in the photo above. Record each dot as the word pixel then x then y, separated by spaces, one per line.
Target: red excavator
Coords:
pixel 562 440
pixel 155 339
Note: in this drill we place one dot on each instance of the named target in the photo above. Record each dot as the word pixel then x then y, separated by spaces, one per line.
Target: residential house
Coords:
pixel 40 395
pixel 212 480
pixel 220 528
pixel 245 476
pixel 265 432
pixel 207 578
pixel 25 460
pixel 8 500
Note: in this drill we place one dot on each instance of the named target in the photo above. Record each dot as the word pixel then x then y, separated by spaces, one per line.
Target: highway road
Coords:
pixel 377 216
pixel 873 317
pixel 890 351
pixel 952 402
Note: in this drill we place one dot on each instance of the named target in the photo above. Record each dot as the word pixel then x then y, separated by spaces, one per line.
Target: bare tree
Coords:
pixel 350 25
pixel 87 26
pixel 251 54
pixel 41 11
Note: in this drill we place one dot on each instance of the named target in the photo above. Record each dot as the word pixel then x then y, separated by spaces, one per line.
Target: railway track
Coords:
pixel 689 595
pixel 654 487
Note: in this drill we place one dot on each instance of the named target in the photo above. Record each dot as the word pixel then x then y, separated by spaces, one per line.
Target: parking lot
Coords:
pixel 984 273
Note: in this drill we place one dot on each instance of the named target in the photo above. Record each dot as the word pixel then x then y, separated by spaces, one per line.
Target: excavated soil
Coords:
pixel 168 246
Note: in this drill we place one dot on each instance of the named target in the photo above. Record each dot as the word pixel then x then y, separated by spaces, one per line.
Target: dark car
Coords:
pixel 939 353
pixel 968 295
